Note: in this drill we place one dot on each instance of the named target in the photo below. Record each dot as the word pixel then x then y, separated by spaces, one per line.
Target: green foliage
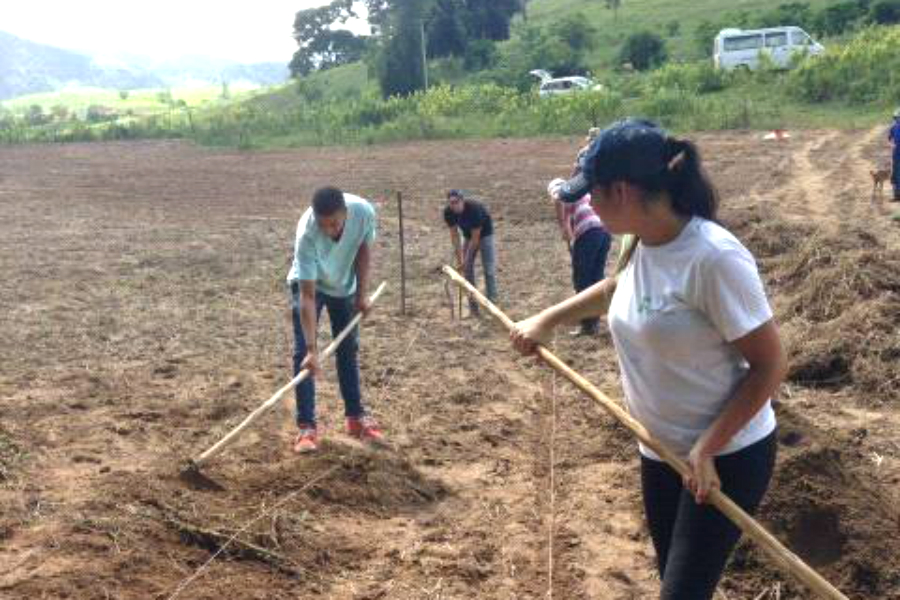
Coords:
pixel 840 17
pixel 98 114
pixel 165 97
pixel 885 12
pixel 123 94
pixel 312 30
pixel 644 50
pixel 575 30
pixel 559 48
pixel 673 28
pixel 399 64
pixel 447 33
pixel 866 69
pixel 480 55
pixel 695 78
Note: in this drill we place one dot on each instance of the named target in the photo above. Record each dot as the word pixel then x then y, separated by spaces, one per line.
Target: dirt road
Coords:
pixel 144 315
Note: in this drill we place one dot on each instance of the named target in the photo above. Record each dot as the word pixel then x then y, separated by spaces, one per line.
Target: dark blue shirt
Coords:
pixel 894 136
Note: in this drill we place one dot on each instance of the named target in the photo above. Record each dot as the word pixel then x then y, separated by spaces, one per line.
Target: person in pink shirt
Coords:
pixel 589 244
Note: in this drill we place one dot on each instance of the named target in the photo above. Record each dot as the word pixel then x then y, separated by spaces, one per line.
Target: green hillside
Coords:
pixel 853 84
pixel 650 15
pixel 675 21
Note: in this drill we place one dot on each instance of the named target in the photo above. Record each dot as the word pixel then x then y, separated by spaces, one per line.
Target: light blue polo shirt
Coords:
pixel 332 264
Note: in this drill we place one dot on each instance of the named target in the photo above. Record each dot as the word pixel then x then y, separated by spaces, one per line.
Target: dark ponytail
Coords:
pixel 692 193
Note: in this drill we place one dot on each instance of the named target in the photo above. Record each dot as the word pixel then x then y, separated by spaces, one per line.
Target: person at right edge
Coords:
pixel 699 352
pixel 894 138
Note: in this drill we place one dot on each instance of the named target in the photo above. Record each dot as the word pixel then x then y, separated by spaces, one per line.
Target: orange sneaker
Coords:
pixel 365 429
pixel 307 440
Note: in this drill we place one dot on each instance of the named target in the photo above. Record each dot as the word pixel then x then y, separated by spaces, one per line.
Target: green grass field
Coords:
pixel 140 102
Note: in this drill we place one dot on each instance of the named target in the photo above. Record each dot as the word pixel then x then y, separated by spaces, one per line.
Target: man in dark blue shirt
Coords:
pixel 894 137
pixel 477 227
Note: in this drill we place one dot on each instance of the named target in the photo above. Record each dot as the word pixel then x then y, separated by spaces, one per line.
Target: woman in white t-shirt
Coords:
pixel 699 352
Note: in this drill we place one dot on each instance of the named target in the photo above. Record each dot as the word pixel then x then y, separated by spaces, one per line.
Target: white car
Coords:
pixel 553 86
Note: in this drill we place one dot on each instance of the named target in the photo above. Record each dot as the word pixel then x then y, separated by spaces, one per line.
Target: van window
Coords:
pixel 775 40
pixel 743 42
pixel 800 39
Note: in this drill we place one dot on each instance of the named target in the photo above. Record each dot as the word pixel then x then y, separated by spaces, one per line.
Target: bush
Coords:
pixel 698 78
pixel 644 50
pixel 838 18
pixel 866 69
pixel 886 12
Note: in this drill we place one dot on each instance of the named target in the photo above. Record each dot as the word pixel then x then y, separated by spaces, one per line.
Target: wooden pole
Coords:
pixel 402 255
pixel 268 404
pixel 786 559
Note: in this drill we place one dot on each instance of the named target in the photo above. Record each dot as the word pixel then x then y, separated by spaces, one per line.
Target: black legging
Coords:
pixel 693 541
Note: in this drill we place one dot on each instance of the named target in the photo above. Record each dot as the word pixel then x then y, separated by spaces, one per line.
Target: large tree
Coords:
pixel 312 31
pixel 489 19
pixel 447 34
pixel 400 65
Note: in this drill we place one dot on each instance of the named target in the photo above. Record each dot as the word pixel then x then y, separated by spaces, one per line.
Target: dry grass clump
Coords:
pixel 10 453
pixel 838 303
pixel 764 232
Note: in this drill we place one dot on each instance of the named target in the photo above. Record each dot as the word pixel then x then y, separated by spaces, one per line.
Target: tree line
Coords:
pixel 404 33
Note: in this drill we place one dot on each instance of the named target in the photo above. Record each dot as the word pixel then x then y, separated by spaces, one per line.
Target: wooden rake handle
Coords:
pixel 786 559
pixel 268 404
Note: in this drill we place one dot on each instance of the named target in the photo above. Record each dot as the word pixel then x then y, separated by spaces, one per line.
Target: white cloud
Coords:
pixel 244 31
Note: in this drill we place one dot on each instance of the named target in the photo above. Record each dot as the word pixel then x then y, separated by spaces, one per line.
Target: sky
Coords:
pixel 254 31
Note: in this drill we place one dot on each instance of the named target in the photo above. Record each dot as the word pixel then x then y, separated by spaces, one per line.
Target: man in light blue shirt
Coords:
pixel 332 263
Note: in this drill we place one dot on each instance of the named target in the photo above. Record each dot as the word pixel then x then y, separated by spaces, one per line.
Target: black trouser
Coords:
pixel 693 541
pixel 588 263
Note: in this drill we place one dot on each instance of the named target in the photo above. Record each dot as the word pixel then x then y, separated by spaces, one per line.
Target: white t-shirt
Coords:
pixel 674 312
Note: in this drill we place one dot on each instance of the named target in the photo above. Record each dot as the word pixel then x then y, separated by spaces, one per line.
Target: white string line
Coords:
pixel 287 498
pixel 266 512
pixel 402 362
pixel 552 524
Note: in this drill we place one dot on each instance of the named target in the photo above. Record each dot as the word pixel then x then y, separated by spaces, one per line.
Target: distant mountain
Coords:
pixel 28 67
pixel 212 70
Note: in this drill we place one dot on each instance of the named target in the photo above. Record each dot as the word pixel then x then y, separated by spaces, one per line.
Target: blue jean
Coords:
pixel 340 311
pixel 589 262
pixel 488 265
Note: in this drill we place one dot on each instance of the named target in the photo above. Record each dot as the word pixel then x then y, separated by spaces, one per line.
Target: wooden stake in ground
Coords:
pixel 232 435
pixel 402 255
pixel 786 559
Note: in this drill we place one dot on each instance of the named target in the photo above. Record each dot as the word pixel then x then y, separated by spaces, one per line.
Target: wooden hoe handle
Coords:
pixel 786 559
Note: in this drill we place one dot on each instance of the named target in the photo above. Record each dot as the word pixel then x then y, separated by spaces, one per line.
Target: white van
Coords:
pixel 735 48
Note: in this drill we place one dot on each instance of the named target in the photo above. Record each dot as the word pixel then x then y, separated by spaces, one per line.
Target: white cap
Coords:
pixel 553 186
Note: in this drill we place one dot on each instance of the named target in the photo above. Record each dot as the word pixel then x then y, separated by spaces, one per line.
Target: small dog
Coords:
pixel 879 176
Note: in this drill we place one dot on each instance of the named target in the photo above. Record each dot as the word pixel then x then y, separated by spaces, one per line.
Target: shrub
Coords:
pixel 644 50
pixel 885 12
pixel 699 78
pixel 866 69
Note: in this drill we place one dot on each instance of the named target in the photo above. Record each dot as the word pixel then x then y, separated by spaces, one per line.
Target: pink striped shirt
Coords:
pixel 582 217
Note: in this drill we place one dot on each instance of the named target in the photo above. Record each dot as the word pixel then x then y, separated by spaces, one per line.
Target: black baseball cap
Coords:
pixel 632 149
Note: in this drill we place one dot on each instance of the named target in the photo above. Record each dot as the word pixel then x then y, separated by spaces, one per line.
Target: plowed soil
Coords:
pixel 144 315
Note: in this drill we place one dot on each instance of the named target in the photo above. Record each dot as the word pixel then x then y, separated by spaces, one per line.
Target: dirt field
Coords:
pixel 144 315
